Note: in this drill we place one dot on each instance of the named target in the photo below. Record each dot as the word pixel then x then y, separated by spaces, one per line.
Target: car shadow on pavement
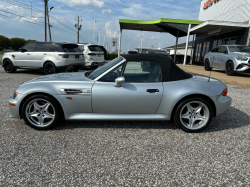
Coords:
pixel 231 119
pixel 239 74
pixel 29 71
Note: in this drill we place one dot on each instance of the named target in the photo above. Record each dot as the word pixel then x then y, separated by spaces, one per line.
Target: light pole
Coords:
pixel 141 45
pixel 99 42
pixel 49 22
pixel 94 31
pixel 104 40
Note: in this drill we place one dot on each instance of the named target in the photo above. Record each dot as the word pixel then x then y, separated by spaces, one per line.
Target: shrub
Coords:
pixel 4 42
pixel 16 43
pixel 112 56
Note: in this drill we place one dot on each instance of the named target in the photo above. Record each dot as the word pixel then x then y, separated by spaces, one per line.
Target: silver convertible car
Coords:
pixel 131 87
pixel 232 58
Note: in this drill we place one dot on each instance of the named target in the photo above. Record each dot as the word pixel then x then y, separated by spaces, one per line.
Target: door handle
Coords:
pixel 44 54
pixel 152 90
pixel 28 54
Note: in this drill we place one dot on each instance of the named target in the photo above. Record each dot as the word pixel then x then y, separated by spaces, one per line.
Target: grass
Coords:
pixel 2 52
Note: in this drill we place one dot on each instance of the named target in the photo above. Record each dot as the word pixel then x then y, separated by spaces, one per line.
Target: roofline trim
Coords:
pixel 220 23
pixel 161 20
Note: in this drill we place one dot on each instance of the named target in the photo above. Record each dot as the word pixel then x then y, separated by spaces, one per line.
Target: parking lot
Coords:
pixel 123 153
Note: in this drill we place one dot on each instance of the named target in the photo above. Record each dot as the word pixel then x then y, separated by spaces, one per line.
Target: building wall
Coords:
pixel 181 52
pixel 226 10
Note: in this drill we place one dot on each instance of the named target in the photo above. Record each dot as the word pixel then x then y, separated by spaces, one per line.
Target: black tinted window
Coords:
pixel 42 47
pixel 71 48
pixel 30 47
pixel 52 47
pixel 214 50
pixel 95 48
pixel 81 47
pixel 222 49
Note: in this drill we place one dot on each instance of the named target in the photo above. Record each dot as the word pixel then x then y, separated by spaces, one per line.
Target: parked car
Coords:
pixel 231 58
pixel 105 52
pixel 94 55
pixel 159 52
pixel 132 52
pixel 130 87
pixel 48 57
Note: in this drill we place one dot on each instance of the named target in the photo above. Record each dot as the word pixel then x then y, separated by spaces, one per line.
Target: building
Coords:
pixel 180 49
pixel 226 22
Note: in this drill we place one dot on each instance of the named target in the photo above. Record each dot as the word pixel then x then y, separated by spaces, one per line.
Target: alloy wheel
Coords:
pixel 40 112
pixel 49 69
pixel 194 115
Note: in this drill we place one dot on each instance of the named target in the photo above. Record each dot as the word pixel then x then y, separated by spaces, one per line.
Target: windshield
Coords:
pixel 239 49
pixel 104 68
pixel 95 48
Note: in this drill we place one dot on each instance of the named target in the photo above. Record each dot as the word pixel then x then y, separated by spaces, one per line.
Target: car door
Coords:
pixel 223 57
pixel 140 94
pixel 40 54
pixel 24 59
pixel 217 57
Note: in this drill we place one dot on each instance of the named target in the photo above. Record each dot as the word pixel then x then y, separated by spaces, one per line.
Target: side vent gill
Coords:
pixel 72 91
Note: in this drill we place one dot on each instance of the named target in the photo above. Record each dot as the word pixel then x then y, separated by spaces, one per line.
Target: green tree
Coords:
pixel 16 43
pixel 4 42
pixel 30 41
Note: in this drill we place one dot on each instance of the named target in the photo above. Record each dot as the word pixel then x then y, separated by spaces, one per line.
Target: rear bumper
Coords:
pixel 70 66
pixel 222 103
pixel 97 63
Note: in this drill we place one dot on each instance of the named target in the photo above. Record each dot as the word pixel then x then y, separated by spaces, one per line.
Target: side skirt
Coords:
pixel 117 117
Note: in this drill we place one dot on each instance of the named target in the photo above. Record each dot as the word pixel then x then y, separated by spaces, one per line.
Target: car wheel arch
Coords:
pixel 194 95
pixel 228 62
pixel 8 59
pixel 39 93
pixel 47 62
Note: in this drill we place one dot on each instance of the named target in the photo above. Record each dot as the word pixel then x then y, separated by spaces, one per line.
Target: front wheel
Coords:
pixel 9 67
pixel 193 114
pixel 41 112
pixel 230 69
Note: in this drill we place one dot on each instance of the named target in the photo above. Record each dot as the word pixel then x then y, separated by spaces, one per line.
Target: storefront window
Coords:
pixel 233 40
pixel 226 41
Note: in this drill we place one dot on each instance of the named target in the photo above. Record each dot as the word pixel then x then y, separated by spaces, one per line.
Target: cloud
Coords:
pixel 107 12
pixel 141 34
pixel 87 4
pixel 112 29
pixel 154 37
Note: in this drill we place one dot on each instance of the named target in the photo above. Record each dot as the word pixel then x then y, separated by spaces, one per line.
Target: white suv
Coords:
pixel 93 54
pixel 46 56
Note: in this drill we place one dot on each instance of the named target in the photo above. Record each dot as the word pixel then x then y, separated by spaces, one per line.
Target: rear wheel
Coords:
pixel 193 114
pixel 207 66
pixel 49 68
pixel 41 112
pixel 230 69
pixel 8 66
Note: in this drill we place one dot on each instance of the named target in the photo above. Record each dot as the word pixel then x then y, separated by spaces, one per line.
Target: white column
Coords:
pixel 94 34
pixel 186 49
pixel 176 43
pixel 248 37
pixel 120 39
pixel 192 52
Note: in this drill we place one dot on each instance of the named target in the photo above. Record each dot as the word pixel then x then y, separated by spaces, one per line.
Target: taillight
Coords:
pixel 64 56
pixel 170 57
pixel 66 66
pixel 91 54
pixel 224 93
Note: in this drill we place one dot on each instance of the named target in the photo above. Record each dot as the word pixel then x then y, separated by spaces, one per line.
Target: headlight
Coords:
pixel 242 58
pixel 14 94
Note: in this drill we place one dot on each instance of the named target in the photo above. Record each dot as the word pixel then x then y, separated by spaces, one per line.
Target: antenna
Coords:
pixel 209 76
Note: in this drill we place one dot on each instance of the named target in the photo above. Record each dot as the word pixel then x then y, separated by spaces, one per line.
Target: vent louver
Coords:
pixel 72 91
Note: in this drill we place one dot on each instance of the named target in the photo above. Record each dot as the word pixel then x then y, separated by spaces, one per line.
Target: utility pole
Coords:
pixel 45 18
pixel 49 23
pixel 79 27
pixel 94 31
pixel 99 37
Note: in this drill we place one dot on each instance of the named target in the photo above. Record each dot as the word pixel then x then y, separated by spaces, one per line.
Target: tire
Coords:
pixel 49 68
pixel 230 69
pixel 207 66
pixel 94 67
pixel 8 66
pixel 189 112
pixel 48 113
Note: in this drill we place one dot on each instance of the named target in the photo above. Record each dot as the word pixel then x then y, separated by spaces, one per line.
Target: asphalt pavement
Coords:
pixel 123 153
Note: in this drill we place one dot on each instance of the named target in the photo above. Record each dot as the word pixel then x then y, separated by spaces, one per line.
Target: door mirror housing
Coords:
pixel 23 50
pixel 226 52
pixel 119 81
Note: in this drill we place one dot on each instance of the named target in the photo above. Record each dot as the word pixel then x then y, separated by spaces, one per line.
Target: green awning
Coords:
pixel 171 26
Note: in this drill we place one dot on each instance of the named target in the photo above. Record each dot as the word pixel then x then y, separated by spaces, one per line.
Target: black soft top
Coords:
pixel 170 71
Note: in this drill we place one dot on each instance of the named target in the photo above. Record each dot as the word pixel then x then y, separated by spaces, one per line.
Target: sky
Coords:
pixel 24 23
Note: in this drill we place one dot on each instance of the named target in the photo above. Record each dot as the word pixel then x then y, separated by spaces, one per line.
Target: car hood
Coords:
pixel 243 53
pixel 61 77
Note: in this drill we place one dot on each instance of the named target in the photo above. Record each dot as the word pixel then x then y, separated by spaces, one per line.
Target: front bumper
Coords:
pixel 222 103
pixel 243 68
pixel 14 110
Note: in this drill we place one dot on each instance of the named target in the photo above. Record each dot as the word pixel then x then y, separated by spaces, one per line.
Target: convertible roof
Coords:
pixel 170 71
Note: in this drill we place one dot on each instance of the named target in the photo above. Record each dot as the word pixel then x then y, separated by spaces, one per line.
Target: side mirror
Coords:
pixel 225 52
pixel 20 49
pixel 23 50
pixel 119 81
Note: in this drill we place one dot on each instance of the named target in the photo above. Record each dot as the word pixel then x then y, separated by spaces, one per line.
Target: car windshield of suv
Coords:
pixel 71 48
pixel 81 47
pixel 95 48
pixel 245 49
pixel 104 68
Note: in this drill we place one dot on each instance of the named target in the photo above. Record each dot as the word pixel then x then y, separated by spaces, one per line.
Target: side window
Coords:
pixel 30 47
pixel 52 47
pixel 142 71
pixel 42 47
pixel 222 49
pixel 112 75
